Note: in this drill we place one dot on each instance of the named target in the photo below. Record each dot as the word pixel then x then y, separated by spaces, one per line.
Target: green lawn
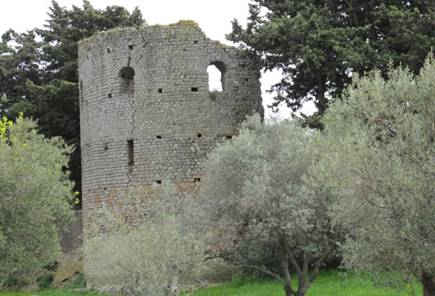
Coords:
pixel 49 293
pixel 327 284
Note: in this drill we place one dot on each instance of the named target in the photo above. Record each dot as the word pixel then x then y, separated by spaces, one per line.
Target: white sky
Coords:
pixel 213 16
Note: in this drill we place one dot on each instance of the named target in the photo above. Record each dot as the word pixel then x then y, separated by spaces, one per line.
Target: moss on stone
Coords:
pixel 188 23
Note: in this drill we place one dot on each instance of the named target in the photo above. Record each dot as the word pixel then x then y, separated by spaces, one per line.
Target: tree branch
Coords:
pixel 266 271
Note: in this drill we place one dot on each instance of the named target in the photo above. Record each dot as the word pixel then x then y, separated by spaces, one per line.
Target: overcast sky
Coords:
pixel 213 16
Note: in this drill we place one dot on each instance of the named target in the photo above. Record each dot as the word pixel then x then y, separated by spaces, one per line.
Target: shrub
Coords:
pixel 155 257
pixel 257 205
pixel 34 194
pixel 379 159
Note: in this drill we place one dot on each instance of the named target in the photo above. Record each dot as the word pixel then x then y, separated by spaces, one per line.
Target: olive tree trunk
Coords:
pixel 288 290
pixel 172 288
pixel 303 280
pixel 428 285
pixel 302 290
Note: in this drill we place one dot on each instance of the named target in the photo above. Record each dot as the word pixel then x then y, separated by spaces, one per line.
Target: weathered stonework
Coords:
pixel 147 116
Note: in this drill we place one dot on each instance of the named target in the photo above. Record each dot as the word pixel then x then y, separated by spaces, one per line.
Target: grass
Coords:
pixel 330 283
pixel 50 293
pixel 327 284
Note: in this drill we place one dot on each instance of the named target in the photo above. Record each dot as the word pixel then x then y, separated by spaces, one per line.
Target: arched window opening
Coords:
pixel 127 73
pixel 216 73
pixel 127 79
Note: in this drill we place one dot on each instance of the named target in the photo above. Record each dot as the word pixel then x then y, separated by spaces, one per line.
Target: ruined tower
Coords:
pixel 146 113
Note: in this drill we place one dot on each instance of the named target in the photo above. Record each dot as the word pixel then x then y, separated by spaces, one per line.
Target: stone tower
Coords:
pixel 146 113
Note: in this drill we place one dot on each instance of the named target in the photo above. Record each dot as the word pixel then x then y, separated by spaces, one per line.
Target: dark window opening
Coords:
pixel 195 41
pixel 81 85
pixel 229 137
pixel 246 79
pixel 194 89
pixel 216 74
pixel 109 95
pixel 106 146
pixel 199 135
pixel 160 90
pixel 127 73
pixel 196 180
pixel 158 182
pixel 127 79
pixel 130 149
pixel 109 50
pixel 158 136
pixel 130 46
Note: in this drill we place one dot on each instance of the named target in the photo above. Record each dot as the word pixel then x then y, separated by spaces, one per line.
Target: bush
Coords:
pixel 258 208
pixel 34 194
pixel 45 281
pixel 379 159
pixel 155 257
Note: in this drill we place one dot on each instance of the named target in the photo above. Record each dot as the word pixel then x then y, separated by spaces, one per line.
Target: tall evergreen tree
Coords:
pixel 319 45
pixel 38 69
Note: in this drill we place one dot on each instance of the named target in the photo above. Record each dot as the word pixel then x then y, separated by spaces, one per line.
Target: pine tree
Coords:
pixel 319 45
pixel 38 69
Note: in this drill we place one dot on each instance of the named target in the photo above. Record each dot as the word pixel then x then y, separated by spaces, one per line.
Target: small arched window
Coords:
pixel 216 75
pixel 127 77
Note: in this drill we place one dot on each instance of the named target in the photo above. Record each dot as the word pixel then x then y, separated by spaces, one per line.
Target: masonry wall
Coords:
pixel 158 125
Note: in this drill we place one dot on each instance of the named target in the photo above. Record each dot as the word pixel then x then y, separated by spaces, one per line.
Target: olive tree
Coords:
pixel 379 160
pixel 158 255
pixel 34 195
pixel 256 204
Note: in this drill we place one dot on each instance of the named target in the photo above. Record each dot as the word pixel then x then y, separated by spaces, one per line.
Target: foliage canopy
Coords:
pixel 257 204
pixel 34 195
pixel 38 69
pixel 319 45
pixel 379 158
pixel 155 257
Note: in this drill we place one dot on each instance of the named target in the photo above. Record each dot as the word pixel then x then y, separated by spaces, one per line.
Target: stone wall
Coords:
pixel 71 237
pixel 147 116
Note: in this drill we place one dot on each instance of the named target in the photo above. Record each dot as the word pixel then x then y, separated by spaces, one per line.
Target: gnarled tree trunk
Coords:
pixel 428 282
pixel 288 290
pixel 172 289
pixel 302 290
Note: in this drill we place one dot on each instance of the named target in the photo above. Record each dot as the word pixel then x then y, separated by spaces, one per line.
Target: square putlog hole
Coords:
pixel 194 89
